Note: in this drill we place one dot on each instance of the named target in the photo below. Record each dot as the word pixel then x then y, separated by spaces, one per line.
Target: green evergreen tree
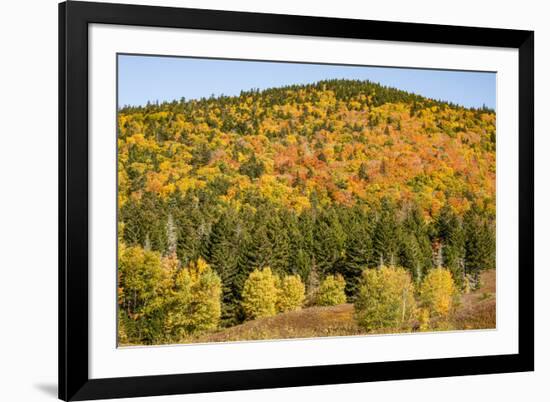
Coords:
pixel 358 248
pixel 386 235
pixel 223 255
pixel 252 168
pixel 449 233
pixel 269 245
pixel 329 241
pixel 479 244
pixel 415 247
pixel 363 173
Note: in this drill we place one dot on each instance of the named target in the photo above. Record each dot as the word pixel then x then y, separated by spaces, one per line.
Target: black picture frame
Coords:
pixel 74 381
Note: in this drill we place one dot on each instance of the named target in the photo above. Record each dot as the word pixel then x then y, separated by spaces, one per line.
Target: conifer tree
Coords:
pixel 329 239
pixel 415 248
pixel 449 232
pixel 363 172
pixel 358 248
pixel 252 168
pixel 479 244
pixel 223 255
pixel 269 245
pixel 386 235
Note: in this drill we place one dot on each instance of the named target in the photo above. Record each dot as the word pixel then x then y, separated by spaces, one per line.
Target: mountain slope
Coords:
pixel 327 178
pixel 342 141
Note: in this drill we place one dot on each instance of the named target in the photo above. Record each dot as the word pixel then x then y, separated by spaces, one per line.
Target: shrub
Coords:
pixel 331 291
pixel 259 296
pixel 291 293
pixel 438 293
pixel 385 299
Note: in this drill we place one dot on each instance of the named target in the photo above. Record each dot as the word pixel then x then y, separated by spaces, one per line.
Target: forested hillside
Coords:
pixel 312 181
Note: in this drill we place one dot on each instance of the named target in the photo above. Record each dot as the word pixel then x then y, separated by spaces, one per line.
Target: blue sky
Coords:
pixel 152 78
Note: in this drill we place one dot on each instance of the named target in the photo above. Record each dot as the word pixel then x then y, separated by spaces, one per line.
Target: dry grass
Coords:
pixel 306 323
pixel 477 310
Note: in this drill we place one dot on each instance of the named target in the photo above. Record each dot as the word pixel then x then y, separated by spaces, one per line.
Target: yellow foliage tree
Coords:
pixel 143 288
pixel 291 294
pixel 259 295
pixel 331 291
pixel 438 293
pixel 385 299
pixel 196 300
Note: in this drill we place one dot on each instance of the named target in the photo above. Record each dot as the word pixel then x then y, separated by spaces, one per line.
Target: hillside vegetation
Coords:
pixel 313 181
pixel 476 311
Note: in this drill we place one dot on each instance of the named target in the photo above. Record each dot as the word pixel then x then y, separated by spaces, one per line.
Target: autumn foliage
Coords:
pixel 331 292
pixel 291 293
pixel 323 183
pixel 438 293
pixel 195 303
pixel 260 294
pixel 385 299
pixel 159 302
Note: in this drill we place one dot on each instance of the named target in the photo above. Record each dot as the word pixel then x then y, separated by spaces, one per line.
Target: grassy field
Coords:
pixel 477 310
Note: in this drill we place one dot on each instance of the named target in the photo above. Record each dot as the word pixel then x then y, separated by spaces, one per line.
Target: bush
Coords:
pixel 438 293
pixel 259 296
pixel 331 292
pixel 385 299
pixel 195 305
pixel 291 294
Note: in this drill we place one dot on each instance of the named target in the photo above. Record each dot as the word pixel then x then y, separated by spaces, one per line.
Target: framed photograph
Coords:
pixel 258 201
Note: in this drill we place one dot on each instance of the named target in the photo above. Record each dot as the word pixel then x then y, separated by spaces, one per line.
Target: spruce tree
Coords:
pixel 358 248
pixel 223 255
pixel 415 248
pixel 386 235
pixel 450 234
pixel 363 172
pixel 329 238
pixel 269 244
pixel 194 223
pixel 479 243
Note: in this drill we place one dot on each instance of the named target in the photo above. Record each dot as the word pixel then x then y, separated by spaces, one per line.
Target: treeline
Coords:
pixel 345 90
pixel 312 244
